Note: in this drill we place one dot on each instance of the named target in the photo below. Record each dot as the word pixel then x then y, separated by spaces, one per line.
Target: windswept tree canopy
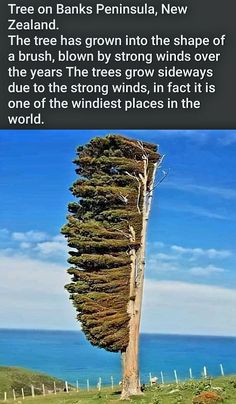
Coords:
pixel 104 226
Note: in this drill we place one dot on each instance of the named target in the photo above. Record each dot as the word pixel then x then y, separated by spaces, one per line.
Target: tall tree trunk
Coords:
pixel 130 361
pixel 131 381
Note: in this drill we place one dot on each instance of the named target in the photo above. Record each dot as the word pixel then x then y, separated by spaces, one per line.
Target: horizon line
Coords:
pixel 141 333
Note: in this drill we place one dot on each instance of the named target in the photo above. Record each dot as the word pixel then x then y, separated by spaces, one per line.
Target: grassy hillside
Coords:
pixel 17 378
pixel 223 387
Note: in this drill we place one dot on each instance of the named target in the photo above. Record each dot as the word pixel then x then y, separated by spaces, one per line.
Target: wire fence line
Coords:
pixel 160 378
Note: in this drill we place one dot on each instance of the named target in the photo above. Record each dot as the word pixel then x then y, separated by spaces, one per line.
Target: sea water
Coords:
pixel 68 356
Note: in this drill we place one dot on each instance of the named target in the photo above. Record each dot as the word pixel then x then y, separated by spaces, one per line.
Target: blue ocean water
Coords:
pixel 68 356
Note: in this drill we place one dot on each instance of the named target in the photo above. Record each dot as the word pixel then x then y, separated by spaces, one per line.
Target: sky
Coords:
pixel 190 280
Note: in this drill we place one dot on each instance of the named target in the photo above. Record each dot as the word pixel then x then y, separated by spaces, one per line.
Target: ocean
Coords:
pixel 68 356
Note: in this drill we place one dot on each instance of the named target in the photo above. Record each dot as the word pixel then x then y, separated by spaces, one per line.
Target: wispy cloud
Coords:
pixel 181 262
pixel 206 271
pixel 196 211
pixel 157 265
pixel 177 307
pixel 40 300
pixel 35 244
pixel 56 246
pixel 156 244
pixel 211 253
pixel 164 257
pixel 21 273
pixel 188 308
pixel 32 293
pixel 224 193
pixel 29 236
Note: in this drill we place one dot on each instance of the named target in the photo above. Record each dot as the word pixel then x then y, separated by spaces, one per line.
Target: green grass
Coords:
pixel 17 378
pixel 168 394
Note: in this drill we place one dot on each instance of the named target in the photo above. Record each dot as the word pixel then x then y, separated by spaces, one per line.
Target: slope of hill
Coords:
pixel 17 378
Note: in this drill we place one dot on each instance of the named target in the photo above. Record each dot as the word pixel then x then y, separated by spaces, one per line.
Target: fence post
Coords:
pixel 112 382
pixel 14 394
pixel 5 396
pixel 66 385
pixel 55 387
pixel 43 387
pixel 162 378
pixel 87 384
pixel 176 377
pixel 205 372
pixel 22 393
pixel 99 384
pixel 32 390
pixel 150 378
pixel 222 370
pixel 190 373
pixel 77 386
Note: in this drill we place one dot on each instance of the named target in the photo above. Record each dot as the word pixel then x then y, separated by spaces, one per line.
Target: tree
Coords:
pixel 106 230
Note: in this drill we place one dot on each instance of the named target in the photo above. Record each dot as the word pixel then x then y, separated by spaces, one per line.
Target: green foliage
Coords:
pixel 103 229
pixel 156 399
pixel 203 385
pixel 232 382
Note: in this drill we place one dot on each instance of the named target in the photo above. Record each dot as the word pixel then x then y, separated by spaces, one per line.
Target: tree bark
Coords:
pixel 131 381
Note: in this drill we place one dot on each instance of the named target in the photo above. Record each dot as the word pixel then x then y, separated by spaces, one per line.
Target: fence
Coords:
pixel 175 378
pixel 161 378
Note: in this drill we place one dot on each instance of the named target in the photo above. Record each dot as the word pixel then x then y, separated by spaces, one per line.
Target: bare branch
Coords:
pixel 139 187
pixel 123 198
pixel 126 235
pixel 165 174
pixel 142 178
pixel 145 155
pixel 160 161
pixel 132 233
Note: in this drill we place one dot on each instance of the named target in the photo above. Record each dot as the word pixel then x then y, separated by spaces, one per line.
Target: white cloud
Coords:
pixel 156 244
pixel 25 246
pixel 164 257
pixel 225 193
pixel 50 247
pixel 29 236
pixel 196 210
pixel 56 246
pixel 179 259
pixel 157 266
pixel 19 272
pixel 188 308
pixel 211 253
pixel 32 294
pixel 43 245
pixel 32 290
pixel 161 263
pixel 206 271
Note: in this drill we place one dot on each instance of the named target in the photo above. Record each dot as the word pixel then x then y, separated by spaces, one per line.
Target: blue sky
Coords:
pixel 190 273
